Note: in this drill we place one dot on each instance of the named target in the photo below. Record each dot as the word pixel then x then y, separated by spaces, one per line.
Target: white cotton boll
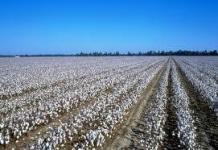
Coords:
pixel 52 107
pixel 7 140
pixel 1 125
pixel 2 141
pixel 40 141
pixel 32 147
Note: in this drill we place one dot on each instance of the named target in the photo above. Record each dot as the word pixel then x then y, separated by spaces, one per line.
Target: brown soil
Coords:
pixel 206 120
pixel 122 136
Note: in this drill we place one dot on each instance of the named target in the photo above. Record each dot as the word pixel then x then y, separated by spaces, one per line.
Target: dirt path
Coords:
pixel 127 135
pixel 206 121
pixel 135 128
pixel 171 140
pixel 122 138
pixel 41 130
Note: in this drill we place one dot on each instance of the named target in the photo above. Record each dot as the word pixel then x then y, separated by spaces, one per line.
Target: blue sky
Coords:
pixel 71 26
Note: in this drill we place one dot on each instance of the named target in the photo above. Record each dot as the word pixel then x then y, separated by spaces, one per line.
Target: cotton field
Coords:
pixel 109 102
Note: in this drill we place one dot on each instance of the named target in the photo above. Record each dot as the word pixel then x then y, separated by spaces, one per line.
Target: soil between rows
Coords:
pixel 171 140
pixel 206 121
pixel 26 139
pixel 122 137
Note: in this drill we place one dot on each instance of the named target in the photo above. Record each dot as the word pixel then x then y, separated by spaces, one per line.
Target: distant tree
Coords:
pixel 117 53
pixel 129 54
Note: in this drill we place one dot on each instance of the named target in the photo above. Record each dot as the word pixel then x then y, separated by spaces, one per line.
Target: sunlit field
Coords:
pixel 109 102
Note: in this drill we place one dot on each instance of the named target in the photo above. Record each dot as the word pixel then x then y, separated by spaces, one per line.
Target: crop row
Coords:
pixel 202 79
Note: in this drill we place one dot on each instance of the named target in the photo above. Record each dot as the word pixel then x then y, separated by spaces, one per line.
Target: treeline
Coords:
pixel 153 53
pixel 147 53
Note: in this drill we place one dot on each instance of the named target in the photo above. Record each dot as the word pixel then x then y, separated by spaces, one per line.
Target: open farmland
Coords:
pixel 109 103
